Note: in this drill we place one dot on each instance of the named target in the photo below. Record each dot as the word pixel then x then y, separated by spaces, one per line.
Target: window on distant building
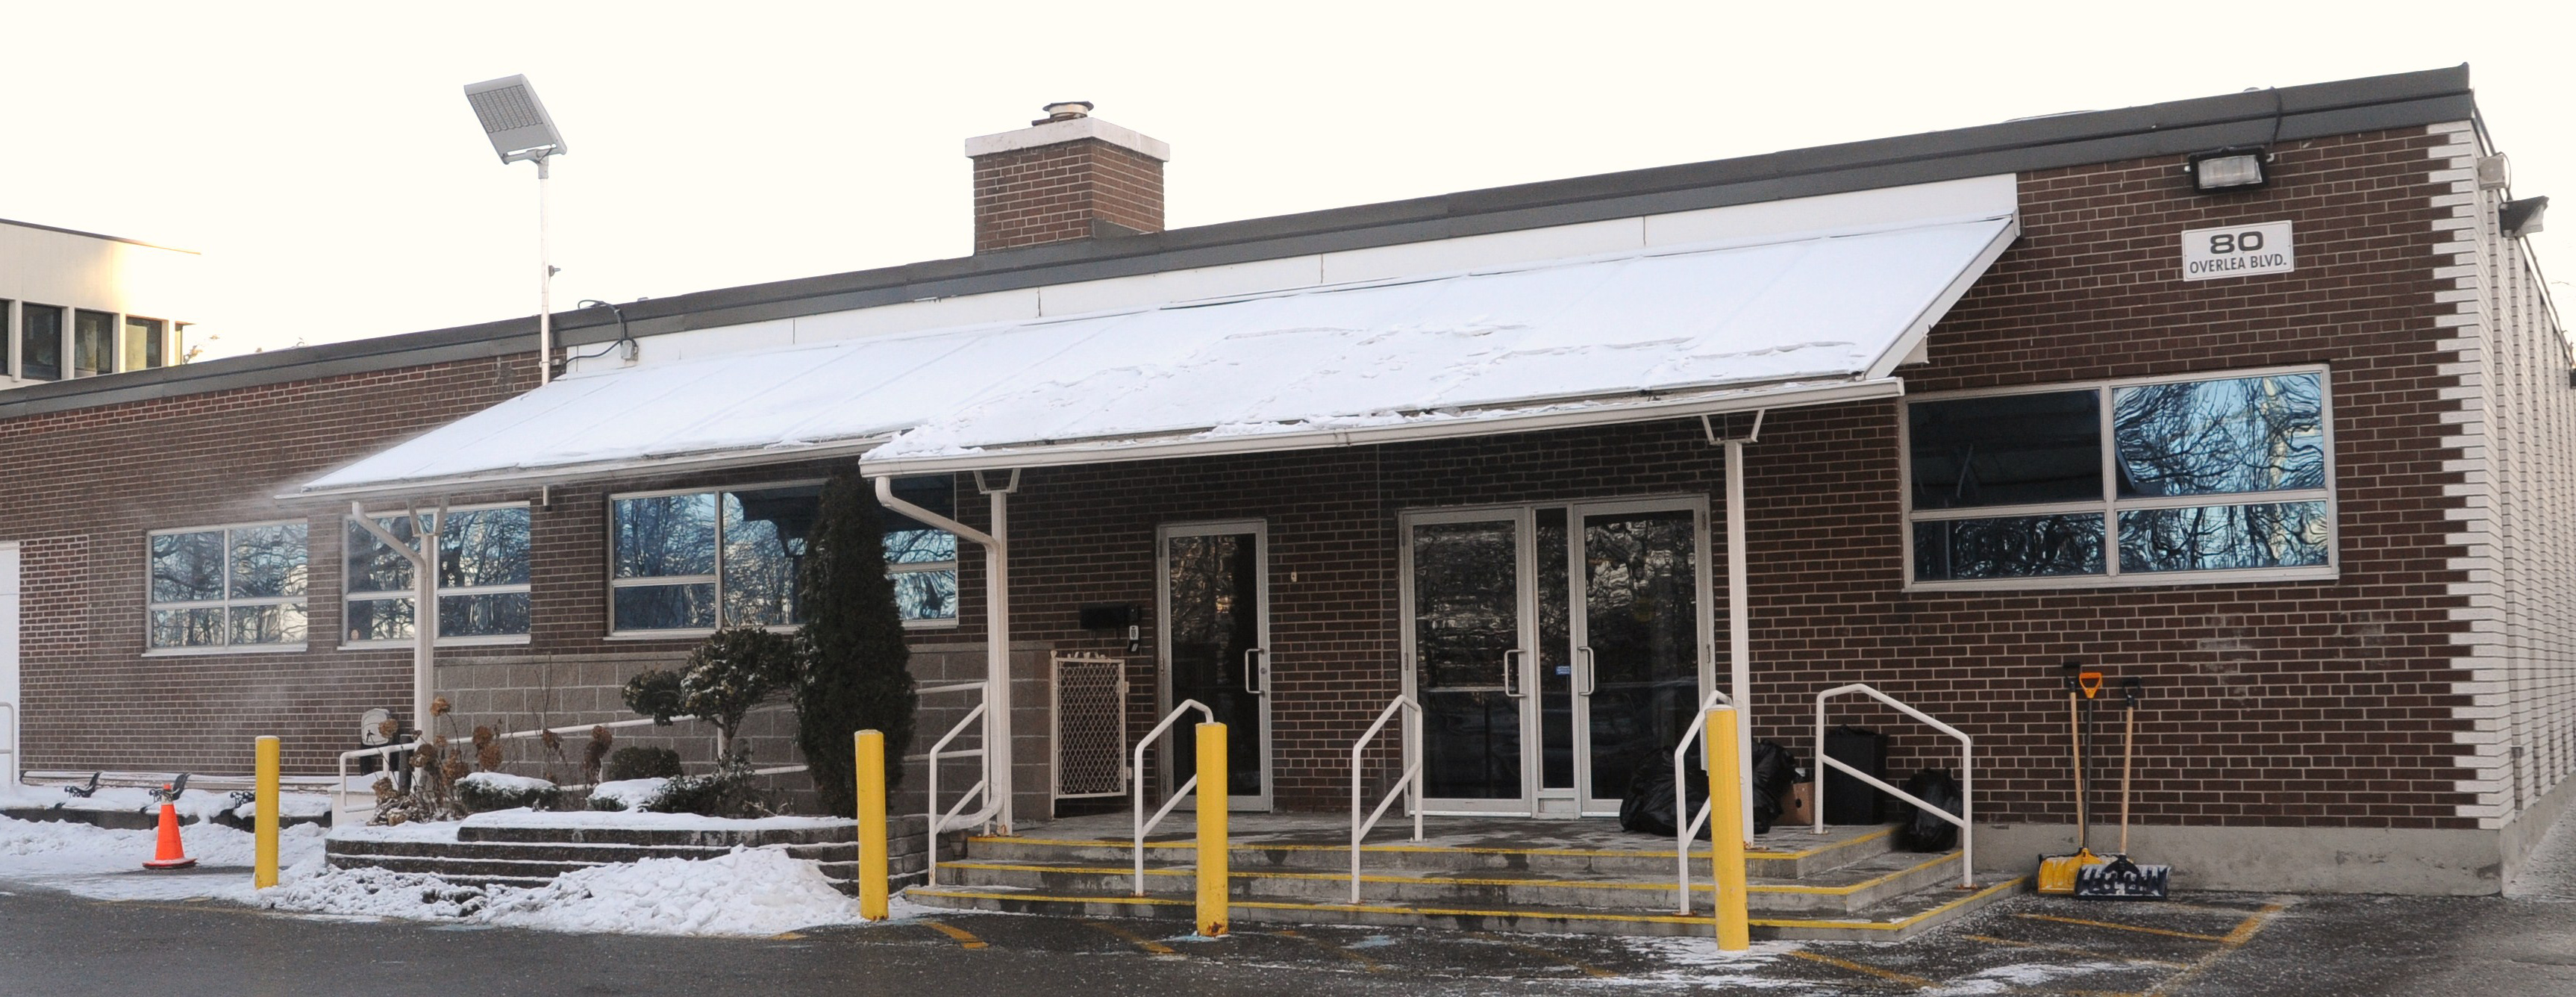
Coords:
pixel 144 344
pixel 93 343
pixel 482 578
pixel 2168 480
pixel 226 587
pixel 693 561
pixel 40 335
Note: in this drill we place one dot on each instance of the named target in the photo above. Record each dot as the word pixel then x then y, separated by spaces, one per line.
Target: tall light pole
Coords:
pixel 519 129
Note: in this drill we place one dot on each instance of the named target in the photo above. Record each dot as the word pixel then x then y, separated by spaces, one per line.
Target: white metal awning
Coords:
pixel 1669 332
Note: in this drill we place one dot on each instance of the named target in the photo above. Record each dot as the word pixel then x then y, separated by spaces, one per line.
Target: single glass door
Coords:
pixel 1468 621
pixel 1639 624
pixel 1215 639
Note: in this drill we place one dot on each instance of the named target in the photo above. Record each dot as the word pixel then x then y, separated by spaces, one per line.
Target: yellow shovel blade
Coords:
pixel 2057 873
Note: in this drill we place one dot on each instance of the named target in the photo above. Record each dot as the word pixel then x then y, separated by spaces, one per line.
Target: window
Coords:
pixel 691 561
pixel 226 587
pixel 93 343
pixel 40 335
pixel 143 344
pixel 482 578
pixel 2198 476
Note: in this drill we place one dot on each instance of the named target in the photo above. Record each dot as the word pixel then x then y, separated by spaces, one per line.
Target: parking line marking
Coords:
pixel 965 938
pixel 1365 962
pixel 1137 940
pixel 1588 969
pixel 2194 936
pixel 1889 975
pixel 2082 953
pixel 2243 932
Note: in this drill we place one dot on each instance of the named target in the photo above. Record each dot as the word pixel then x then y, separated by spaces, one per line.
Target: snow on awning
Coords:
pixel 1660 333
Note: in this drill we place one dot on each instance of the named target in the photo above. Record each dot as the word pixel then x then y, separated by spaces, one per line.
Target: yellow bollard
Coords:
pixel 1726 831
pixel 872 825
pixel 1212 852
pixel 264 841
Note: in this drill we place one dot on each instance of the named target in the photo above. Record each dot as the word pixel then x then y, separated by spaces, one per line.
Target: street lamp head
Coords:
pixel 514 120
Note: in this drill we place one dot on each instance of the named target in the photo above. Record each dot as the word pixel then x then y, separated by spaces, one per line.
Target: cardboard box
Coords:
pixel 1799 807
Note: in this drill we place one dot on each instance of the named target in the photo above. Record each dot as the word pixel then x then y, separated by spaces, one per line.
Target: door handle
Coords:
pixel 1512 672
pixel 1256 676
pixel 1586 674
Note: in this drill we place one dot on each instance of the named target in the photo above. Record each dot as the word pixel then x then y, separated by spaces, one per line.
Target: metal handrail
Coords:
pixel 938 821
pixel 340 785
pixel 1967 777
pixel 1684 832
pixel 9 745
pixel 1411 732
pixel 1136 789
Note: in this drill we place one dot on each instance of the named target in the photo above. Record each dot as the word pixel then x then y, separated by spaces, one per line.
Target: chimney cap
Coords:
pixel 1065 109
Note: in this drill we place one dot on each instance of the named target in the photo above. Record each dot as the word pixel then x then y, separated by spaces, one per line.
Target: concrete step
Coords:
pixel 1844 890
pixel 1786 853
pixel 1896 918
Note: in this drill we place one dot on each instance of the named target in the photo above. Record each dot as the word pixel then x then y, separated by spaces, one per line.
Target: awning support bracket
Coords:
pixel 997 636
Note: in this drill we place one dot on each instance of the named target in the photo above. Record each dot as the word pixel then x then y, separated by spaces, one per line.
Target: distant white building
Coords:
pixel 81 304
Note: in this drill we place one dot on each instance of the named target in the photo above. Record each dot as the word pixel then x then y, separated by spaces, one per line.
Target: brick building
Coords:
pixel 2257 398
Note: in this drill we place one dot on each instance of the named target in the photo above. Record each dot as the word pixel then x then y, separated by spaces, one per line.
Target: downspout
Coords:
pixel 424 613
pixel 997 637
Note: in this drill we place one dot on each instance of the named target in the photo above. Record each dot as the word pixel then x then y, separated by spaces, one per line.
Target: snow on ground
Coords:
pixel 445 830
pixel 103 864
pixel 1696 959
pixel 506 781
pixel 750 891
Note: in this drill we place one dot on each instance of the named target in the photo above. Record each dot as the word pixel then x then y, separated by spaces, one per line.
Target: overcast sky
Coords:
pixel 324 159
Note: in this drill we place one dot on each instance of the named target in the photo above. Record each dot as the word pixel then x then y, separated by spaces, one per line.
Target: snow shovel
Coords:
pixel 2057 873
pixel 2120 878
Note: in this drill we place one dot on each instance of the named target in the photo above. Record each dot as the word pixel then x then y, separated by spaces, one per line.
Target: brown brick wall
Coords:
pixel 1052 193
pixel 2324 703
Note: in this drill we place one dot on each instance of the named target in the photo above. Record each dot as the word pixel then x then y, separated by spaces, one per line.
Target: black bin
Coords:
pixel 1849 800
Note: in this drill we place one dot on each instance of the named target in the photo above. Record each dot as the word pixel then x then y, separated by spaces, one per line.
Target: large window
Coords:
pixel 2167 480
pixel 144 344
pixel 693 561
pixel 93 343
pixel 482 578
pixel 226 587
pixel 40 335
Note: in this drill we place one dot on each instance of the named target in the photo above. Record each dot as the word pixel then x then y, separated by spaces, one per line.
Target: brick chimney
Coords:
pixel 1067 176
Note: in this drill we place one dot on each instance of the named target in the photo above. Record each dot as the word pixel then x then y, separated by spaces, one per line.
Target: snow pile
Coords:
pixel 755 891
pixel 629 794
pixel 53 848
pixel 195 804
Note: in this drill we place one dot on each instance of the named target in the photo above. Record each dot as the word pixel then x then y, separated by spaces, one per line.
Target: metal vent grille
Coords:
pixel 503 109
pixel 1090 707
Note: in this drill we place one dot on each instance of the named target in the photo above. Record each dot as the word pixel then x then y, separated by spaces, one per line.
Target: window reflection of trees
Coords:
pixel 2208 437
pixel 2271 535
pixel 188 567
pixel 2011 547
pixel 1464 584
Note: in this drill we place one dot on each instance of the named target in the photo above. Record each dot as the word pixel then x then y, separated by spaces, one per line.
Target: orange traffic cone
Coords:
pixel 169 855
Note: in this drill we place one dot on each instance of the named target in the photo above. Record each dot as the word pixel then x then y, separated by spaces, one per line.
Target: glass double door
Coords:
pixel 1555 649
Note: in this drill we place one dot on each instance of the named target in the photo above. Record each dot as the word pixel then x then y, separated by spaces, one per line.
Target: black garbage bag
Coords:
pixel 1648 807
pixel 1923 832
pixel 1774 769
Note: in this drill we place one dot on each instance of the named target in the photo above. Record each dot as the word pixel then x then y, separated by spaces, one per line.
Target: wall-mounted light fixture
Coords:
pixel 2522 217
pixel 2238 167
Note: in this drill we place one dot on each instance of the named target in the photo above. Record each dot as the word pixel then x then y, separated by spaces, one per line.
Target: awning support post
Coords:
pixel 997 602
pixel 424 597
pixel 1739 623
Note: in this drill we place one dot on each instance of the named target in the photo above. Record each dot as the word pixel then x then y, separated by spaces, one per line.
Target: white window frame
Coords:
pixel 609 566
pixel 228 602
pixel 348 596
pixel 2110 505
